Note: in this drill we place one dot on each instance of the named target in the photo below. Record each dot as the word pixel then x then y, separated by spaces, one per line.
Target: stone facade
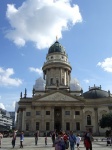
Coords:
pixel 57 107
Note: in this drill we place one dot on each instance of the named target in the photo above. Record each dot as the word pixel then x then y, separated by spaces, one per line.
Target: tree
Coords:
pixel 106 121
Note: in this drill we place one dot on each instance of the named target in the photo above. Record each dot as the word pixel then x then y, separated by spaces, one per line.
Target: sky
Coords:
pixel 29 27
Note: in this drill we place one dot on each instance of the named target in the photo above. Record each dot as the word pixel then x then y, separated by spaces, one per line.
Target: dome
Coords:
pixel 75 85
pixel 39 84
pixel 56 47
pixel 96 92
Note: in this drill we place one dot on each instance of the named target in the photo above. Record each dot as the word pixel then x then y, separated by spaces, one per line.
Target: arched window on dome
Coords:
pixel 88 120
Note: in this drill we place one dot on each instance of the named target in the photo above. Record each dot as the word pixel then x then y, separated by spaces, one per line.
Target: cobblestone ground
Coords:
pixel 30 145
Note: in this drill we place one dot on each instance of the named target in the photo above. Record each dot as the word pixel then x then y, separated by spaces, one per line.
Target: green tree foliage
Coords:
pixel 106 121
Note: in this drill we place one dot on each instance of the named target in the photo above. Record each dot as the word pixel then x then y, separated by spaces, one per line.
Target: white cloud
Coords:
pixel 6 80
pixel 11 106
pixel 37 70
pixel 86 81
pixel 41 21
pixel 106 65
pixel 2 106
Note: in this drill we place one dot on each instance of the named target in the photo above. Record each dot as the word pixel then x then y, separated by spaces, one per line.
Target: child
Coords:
pixel 108 141
pixel 78 139
pixel 46 140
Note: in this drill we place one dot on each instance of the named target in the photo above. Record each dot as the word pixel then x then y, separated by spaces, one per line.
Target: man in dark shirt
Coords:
pixel 36 137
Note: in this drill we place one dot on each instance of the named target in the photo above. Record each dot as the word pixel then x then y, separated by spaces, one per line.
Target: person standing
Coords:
pixel 65 137
pixel 53 138
pixel 1 136
pixel 78 139
pixel 21 139
pixel 72 140
pixel 14 138
pixel 46 140
pixel 90 138
pixel 36 137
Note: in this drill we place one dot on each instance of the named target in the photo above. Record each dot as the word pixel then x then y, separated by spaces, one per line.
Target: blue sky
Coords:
pixel 83 27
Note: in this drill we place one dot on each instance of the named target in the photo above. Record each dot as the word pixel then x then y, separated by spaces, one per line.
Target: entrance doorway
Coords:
pixel 57 119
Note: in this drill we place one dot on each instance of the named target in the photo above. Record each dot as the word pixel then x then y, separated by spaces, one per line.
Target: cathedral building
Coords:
pixel 56 104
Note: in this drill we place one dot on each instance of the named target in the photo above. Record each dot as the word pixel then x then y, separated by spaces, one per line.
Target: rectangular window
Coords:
pixel 78 126
pixel 67 125
pixel 77 112
pixel 37 125
pixel 47 126
pixel 47 112
pixel 28 113
pixel 27 126
pixel 67 112
pixel 37 112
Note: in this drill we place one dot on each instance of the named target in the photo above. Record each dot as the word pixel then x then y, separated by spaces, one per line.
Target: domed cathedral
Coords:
pixel 57 69
pixel 56 104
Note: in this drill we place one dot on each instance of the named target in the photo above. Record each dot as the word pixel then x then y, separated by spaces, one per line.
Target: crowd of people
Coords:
pixel 60 140
pixel 63 141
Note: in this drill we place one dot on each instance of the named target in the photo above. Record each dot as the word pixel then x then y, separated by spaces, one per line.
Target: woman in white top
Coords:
pixel 78 139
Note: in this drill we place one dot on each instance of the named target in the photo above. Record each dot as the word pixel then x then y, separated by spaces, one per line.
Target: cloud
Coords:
pixel 37 70
pixel 41 21
pixel 11 106
pixel 106 65
pixel 2 106
pixel 86 81
pixel 6 80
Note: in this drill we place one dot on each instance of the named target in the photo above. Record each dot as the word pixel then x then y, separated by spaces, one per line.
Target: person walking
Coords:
pixel 88 138
pixel 1 136
pixel 72 140
pixel 46 140
pixel 78 139
pixel 65 137
pixel 21 139
pixel 14 138
pixel 108 141
pixel 36 137
pixel 59 142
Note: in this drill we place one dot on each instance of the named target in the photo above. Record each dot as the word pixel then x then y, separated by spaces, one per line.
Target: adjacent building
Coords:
pixel 56 104
pixel 5 120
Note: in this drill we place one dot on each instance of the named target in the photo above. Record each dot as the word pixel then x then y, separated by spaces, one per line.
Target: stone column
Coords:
pixel 96 120
pixel 23 120
pixel 52 118
pixel 72 119
pixel 63 116
pixel 43 119
pixel 67 77
pixel 20 119
pixel 83 119
pixel 33 114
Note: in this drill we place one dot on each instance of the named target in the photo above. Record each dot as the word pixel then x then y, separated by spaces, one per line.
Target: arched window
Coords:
pixel 88 120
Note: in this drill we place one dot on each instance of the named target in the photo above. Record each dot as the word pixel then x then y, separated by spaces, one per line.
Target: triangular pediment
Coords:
pixel 58 96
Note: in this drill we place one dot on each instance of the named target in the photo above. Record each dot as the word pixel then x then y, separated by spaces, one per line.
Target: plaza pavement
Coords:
pixel 29 144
